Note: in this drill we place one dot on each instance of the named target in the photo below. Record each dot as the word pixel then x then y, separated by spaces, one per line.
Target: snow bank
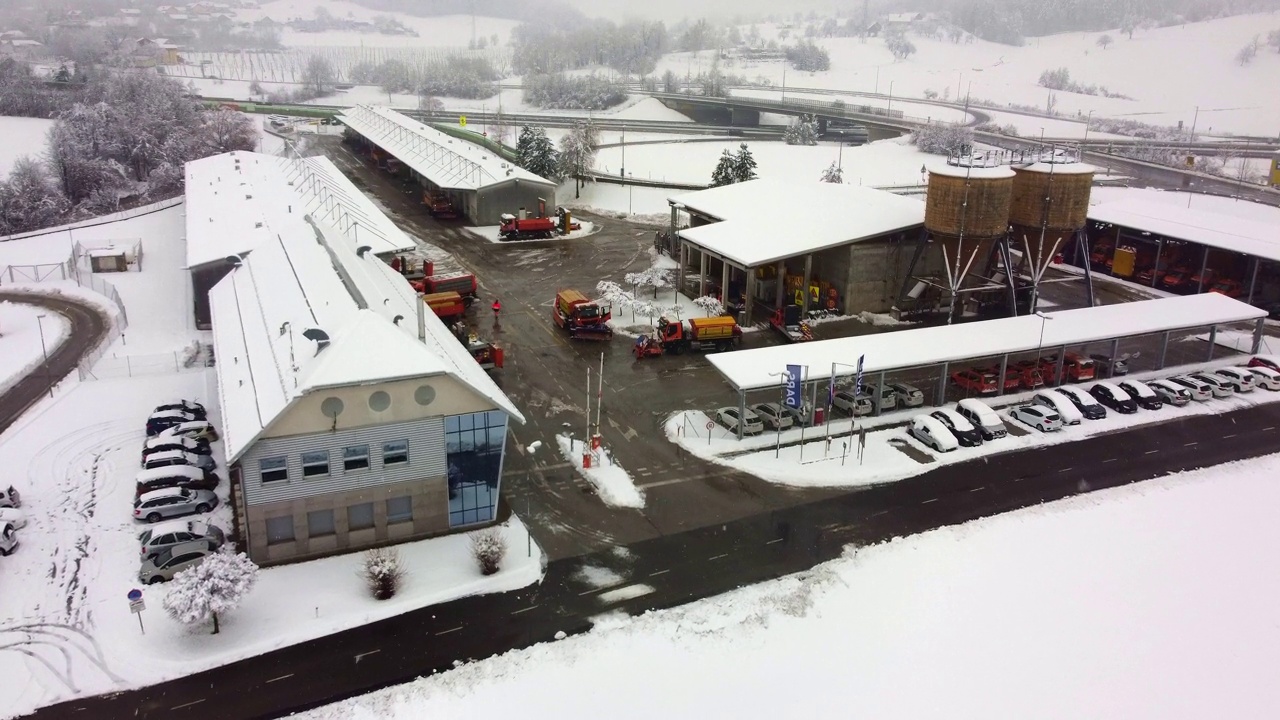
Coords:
pixel 612 483
pixel 21 348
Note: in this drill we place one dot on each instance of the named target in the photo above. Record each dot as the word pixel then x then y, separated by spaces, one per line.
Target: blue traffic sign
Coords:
pixel 135 594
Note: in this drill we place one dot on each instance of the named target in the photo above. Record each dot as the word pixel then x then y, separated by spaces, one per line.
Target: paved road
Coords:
pixel 680 567
pixel 88 326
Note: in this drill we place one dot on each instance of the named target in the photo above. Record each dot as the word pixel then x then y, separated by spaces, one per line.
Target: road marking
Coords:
pixel 183 705
pixel 717 557
pixel 1019 479
pixel 282 677
pixel 446 632
pixel 1193 442
pixel 926 502
pixel 594 590
pixel 1110 460
pixel 660 483
pixel 1273 427
pixel 878 514
pixel 1062 470
pixel 775 540
pixel 517 612
pixel 660 572
pixel 627 593
pixel 366 654
pixel 1224 437
pixel 1150 452
pixel 981 487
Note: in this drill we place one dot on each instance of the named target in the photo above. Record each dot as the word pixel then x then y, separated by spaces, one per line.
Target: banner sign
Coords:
pixel 794 391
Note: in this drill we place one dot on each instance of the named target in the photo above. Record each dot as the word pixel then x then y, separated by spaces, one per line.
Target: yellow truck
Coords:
pixel 697 334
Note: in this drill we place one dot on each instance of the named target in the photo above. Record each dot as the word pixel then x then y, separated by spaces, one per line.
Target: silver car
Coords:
pixel 164 536
pixel 157 505
pixel 167 458
pixel 908 395
pixel 774 416
pixel 173 561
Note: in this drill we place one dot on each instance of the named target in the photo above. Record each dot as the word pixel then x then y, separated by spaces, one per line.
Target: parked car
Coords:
pixel 909 396
pixel 1228 287
pixel 960 428
pixel 194 429
pixel 1202 280
pixel 975 382
pixel 1038 417
pixel 8 538
pixel 1146 398
pixel 1075 368
pixel 773 416
pixel 751 425
pixel 173 561
pixel 1060 403
pixel 932 433
pixel 1240 379
pixel 185 476
pixel 164 536
pixel 850 404
pixel 9 498
pixel 1171 392
pixel 883 399
pixel 169 458
pixel 157 505
pixel 1029 378
pixel 163 443
pixel 1083 401
pixel 1011 379
pixel 982 417
pixel 14 516
pixel 165 419
pixel 1266 361
pixel 802 415
pixel 1112 396
pixel 1176 280
pixel 192 408
pixel 1266 378
pixel 1109 367
pixel 1200 390
pixel 1219 386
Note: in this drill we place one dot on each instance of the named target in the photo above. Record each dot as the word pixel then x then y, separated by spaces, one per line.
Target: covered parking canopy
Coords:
pixel 1224 232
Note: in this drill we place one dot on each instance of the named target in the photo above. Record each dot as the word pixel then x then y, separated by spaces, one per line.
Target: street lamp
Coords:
pixel 45 351
pixel 1040 344
pixel 888 111
pixel 783 377
pixel 528 534
pixel 1087 121
pixel 630 187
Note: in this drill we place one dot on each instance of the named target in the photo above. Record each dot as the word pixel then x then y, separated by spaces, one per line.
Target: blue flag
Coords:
pixel 857 383
pixel 794 391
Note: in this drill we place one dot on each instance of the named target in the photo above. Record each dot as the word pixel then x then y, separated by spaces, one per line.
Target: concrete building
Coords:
pixel 842 247
pixel 230 196
pixel 481 185
pixel 350 417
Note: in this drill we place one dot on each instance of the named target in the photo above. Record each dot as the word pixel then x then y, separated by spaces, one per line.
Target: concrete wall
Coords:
pixel 491 202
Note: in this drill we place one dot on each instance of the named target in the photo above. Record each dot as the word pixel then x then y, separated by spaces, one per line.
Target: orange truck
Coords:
pixel 583 319
pixel 699 334
pixel 448 306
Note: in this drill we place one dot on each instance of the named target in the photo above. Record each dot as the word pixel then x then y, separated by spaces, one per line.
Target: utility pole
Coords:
pixel 48 376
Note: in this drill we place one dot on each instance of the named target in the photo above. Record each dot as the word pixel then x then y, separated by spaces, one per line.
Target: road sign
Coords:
pixel 135 594
pixel 137 606
pixel 857 383
pixel 462 120
pixel 711 424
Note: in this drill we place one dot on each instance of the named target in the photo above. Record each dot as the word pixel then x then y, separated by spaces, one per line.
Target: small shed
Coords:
pixel 109 259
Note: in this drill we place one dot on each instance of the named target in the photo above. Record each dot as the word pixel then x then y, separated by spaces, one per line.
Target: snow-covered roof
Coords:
pixel 763 221
pixel 308 274
pixel 1216 230
pixel 1060 168
pixel 449 162
pixel 976 172
pixel 750 369
pixel 230 199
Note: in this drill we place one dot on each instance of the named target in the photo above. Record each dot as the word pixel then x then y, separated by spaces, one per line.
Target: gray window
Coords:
pixel 360 517
pixel 273 469
pixel 320 523
pixel 314 463
pixel 473 444
pixel 399 509
pixel 280 530
pixel 395 452
pixel 355 458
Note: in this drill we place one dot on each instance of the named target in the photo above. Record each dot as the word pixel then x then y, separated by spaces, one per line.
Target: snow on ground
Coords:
pixel 22 137
pixel 638 203
pixel 828 455
pixel 1150 601
pixel 21 348
pixel 440 31
pixel 652 109
pixel 923 111
pixel 612 483
pixel 1231 207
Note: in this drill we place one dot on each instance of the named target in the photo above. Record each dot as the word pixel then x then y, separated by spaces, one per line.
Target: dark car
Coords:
pixel 190 407
pixel 1113 397
pixel 1087 406
pixel 183 476
pixel 966 434
pixel 1146 398
pixel 162 420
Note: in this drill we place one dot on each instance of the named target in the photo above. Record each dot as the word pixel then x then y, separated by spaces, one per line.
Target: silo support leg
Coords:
pixel 911 269
pixel 1088 273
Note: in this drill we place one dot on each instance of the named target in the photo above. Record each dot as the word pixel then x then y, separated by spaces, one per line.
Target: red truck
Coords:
pixel 787 321
pixel 462 283
pixel 514 228
pixel 448 306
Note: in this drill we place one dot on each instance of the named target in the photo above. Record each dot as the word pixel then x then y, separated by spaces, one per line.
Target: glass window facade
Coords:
pixel 320 523
pixel 395 452
pixel 315 463
pixel 360 517
pixel 355 458
pixel 473 444
pixel 273 469
pixel 399 509
pixel 280 530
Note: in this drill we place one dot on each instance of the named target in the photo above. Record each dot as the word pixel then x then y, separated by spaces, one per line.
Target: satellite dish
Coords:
pixel 320 337
pixel 396 320
pixel 233 260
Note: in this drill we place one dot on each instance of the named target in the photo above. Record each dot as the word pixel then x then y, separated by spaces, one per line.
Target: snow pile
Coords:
pixel 490 233
pixel 21 349
pixel 1096 606
pixel 612 483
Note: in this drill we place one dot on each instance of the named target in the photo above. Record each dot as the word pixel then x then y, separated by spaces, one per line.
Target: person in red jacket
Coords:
pixel 497 307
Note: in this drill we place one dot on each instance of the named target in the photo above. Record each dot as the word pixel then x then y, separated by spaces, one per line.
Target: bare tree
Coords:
pixel 318 75
pixel 1104 41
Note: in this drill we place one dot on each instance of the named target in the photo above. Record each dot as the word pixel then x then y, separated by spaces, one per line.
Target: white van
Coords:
pixel 982 417
pixel 1061 404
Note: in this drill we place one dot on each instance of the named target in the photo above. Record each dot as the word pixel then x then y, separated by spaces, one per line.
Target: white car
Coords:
pixel 168 458
pixel 1265 378
pixel 1240 379
pixel 983 417
pixel 1200 390
pixel 164 536
pixel 8 538
pixel 10 498
pixel 1172 393
pixel 908 395
pixel 852 405
pixel 774 416
pixel 933 433
pixel 1219 386
pixel 1068 413
pixel 1037 416
pixel 728 417
pixel 885 397
pixel 14 516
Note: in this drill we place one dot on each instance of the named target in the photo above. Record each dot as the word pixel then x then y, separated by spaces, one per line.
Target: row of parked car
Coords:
pixel 1052 409
pixel 774 416
pixel 1032 374
pixel 177 479
pixel 11 520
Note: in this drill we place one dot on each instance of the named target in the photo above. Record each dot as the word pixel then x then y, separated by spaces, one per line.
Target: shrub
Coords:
pixel 382 572
pixel 488 547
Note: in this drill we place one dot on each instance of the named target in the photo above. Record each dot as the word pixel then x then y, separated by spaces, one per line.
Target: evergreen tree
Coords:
pixel 744 165
pixel 536 153
pixel 803 130
pixel 726 170
pixel 833 174
pixel 578 152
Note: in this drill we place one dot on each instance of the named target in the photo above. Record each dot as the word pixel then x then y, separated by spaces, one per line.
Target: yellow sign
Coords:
pixel 462 120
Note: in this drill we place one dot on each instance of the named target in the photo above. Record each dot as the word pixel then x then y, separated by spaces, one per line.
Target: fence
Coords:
pixel 101 219
pixel 194 358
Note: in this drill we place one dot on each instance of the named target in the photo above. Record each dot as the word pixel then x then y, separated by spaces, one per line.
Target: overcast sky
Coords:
pixel 672 11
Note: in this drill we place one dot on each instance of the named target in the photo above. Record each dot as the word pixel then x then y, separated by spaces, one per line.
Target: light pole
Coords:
pixel 45 351
pixel 782 405
pixel 1087 121
pixel 532 448
pixel 630 187
pixel 888 111
pixel 1039 345
pixel 623 171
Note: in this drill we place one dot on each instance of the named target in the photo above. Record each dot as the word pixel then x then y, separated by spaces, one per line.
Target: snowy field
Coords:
pixel 1152 601
pixel 21 348
pixel 444 31
pixel 22 136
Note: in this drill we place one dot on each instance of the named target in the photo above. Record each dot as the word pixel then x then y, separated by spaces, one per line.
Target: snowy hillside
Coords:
pixel 22 136
pixel 444 31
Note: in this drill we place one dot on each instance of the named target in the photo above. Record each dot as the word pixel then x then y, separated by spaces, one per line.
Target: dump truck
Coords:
pixel 514 228
pixel 463 283
pixel 488 355
pixel 448 306
pixel 583 319
pixel 787 321
pixel 694 335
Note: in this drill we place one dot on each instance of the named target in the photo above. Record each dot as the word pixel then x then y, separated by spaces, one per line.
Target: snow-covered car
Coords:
pixel 167 458
pixel 166 535
pixel 959 426
pixel 982 417
pixel 931 432
pixel 9 498
pixel 1265 378
pixel 191 407
pixel 1199 389
pixel 1240 379
pixel 162 420
pixel 850 404
pixel 1146 398
pixel 909 396
pixel 1172 393
pixel 1083 401
pixel 1038 417
pixel 173 561
pixel 162 443
pixel 1067 411
pixel 1266 361
pixel 751 425
pixel 8 538
pixel 1114 397
pixel 1219 386
pixel 157 505
pixel 774 416
pixel 194 429
pixel 14 516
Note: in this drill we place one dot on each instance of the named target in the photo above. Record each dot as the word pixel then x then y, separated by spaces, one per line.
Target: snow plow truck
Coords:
pixel 695 335
pixel 583 319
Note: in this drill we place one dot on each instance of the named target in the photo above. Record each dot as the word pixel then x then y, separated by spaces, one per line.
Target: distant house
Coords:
pixel 156 51
pixel 902 21
pixel 21 48
pixel 873 29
